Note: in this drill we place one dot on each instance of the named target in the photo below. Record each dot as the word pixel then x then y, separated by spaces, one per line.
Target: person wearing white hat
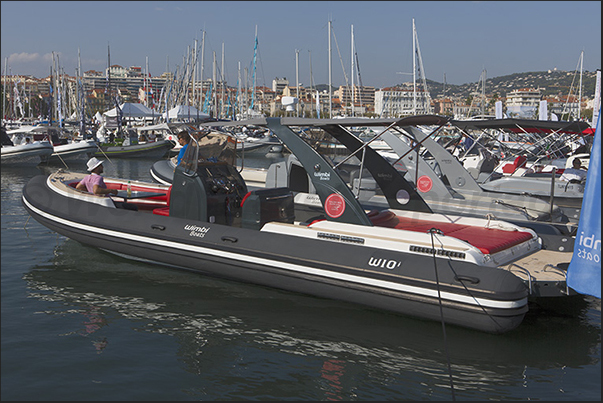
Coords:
pixel 94 183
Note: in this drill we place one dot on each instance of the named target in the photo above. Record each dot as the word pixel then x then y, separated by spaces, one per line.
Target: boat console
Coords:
pixel 212 193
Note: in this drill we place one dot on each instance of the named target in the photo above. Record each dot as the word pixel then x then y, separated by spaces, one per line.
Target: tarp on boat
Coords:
pixel 132 110
pixel 185 112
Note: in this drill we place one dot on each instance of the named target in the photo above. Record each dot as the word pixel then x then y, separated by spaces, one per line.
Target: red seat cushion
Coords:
pixel 519 162
pixel 487 240
pixel 162 211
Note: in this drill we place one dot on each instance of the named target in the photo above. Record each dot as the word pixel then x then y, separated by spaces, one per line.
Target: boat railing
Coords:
pixel 513 267
pixel 559 271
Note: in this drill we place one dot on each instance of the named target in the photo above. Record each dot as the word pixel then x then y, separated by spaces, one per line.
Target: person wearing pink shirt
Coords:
pixel 94 183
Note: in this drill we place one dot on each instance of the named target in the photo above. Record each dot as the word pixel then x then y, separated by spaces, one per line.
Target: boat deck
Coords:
pixel 544 272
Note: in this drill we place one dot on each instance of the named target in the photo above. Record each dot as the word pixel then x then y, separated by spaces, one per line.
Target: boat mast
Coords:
pixel 201 100
pixel 239 96
pixel 414 69
pixel 81 97
pixel 580 87
pixel 194 74
pixel 352 73
pixel 297 79
pixel 4 90
pixel 255 51
pixel 330 76
pixel 484 92
pixel 214 78
pixel 223 103
pixel 597 103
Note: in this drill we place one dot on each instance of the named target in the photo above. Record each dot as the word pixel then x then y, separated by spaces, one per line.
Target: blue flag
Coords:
pixel 584 271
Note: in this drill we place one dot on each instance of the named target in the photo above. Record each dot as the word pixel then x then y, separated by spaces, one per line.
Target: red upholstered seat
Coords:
pixel 487 240
pixel 164 210
pixel 519 162
pixel 490 240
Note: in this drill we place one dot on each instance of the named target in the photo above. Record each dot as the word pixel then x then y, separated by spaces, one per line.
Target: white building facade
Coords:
pixel 401 101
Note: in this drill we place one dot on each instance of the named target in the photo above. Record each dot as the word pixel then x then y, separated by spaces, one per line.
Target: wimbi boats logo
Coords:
pixel 196 231
pixel 589 248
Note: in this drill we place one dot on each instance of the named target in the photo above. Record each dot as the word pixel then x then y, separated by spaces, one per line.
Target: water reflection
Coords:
pixel 271 343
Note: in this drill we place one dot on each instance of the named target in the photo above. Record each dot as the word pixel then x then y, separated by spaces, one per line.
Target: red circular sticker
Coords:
pixel 424 184
pixel 334 205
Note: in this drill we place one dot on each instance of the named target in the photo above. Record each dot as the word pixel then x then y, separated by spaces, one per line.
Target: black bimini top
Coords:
pixel 528 125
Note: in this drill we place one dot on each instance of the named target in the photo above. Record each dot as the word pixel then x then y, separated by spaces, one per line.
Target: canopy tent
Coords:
pixel 185 112
pixel 133 111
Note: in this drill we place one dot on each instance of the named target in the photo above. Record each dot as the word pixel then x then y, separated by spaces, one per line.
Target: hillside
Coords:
pixel 552 82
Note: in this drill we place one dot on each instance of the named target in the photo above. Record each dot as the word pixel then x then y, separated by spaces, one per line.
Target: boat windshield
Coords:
pixel 209 146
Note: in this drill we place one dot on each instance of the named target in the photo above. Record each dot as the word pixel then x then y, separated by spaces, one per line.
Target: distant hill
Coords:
pixel 552 82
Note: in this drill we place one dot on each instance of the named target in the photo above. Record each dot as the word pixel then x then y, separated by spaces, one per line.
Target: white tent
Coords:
pixel 130 110
pixel 185 112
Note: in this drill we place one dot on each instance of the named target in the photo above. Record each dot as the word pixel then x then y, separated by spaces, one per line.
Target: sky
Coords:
pixel 457 39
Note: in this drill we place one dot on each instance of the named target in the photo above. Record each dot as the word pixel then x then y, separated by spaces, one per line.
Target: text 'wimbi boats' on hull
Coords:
pixel 404 259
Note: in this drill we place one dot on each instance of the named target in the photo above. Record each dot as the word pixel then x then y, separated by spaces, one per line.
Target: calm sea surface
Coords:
pixel 82 324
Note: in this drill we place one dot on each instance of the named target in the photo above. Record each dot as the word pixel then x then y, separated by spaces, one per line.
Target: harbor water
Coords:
pixel 79 323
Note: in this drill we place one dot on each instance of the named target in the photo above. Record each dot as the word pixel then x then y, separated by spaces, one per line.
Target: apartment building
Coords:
pixel 401 101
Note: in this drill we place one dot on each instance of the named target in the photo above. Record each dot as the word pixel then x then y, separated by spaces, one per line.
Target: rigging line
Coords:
pixel 359 78
pixel 438 231
pixel 515 207
pixel 340 59
pixel 435 267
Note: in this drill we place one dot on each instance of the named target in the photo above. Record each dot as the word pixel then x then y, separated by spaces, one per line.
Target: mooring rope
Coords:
pixel 435 266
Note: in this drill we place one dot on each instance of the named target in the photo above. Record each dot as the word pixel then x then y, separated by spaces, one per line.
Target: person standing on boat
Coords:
pixel 183 138
pixel 577 173
pixel 94 183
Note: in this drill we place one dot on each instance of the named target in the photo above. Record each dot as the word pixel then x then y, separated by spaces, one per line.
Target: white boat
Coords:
pixel 32 152
pixel 258 142
pixel 80 150
pixel 64 148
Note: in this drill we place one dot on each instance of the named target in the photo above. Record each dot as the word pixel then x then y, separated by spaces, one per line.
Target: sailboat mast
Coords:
pixel 312 84
pixel 297 79
pixel 214 79
pixel 4 90
pixel 81 97
pixel 330 76
pixel 222 83
pixel 597 103
pixel 201 102
pixel 580 88
pixel 239 97
pixel 484 92
pixel 414 68
pixel 352 73
pixel 255 50
pixel 194 74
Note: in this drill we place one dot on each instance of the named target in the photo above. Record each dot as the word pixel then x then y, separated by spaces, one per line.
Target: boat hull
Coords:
pixel 156 149
pixel 77 151
pixel 322 268
pixel 26 154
